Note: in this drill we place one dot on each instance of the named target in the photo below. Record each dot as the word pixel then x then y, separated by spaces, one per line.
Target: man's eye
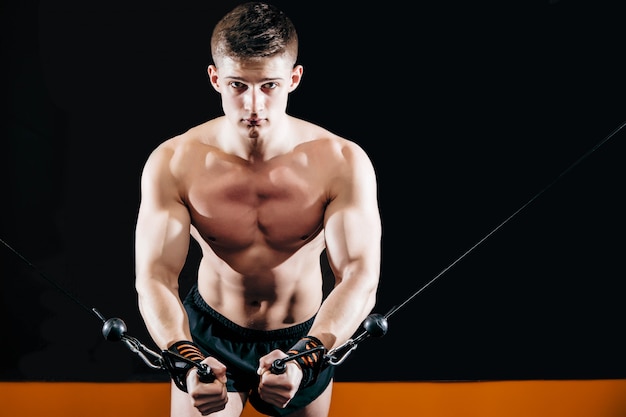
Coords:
pixel 237 84
pixel 270 86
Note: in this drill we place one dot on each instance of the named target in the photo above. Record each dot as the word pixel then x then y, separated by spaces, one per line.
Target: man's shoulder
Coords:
pixel 317 134
pixel 193 136
pixel 180 148
pixel 334 152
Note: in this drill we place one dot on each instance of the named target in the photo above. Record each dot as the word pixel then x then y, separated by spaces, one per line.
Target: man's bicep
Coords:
pixel 352 218
pixel 162 230
pixel 162 239
pixel 352 234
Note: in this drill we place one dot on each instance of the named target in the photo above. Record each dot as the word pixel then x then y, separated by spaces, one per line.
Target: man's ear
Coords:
pixel 296 77
pixel 213 77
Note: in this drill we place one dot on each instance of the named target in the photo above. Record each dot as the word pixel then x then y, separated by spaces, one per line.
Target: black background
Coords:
pixel 467 109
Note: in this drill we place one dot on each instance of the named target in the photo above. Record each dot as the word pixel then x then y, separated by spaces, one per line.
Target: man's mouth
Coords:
pixel 254 122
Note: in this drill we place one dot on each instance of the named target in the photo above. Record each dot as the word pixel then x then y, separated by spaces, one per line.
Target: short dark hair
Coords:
pixel 254 30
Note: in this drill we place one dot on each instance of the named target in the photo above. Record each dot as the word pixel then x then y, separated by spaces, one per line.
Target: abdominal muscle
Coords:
pixel 256 294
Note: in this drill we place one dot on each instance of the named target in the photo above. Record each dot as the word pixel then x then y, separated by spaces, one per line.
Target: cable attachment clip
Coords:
pixel 374 325
pixel 177 360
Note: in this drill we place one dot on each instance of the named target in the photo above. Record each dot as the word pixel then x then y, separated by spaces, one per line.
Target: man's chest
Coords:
pixel 282 205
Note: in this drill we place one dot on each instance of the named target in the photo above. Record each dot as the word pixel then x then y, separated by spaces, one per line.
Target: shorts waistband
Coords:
pixel 295 331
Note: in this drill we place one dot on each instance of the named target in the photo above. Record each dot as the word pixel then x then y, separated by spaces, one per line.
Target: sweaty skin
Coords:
pixel 263 193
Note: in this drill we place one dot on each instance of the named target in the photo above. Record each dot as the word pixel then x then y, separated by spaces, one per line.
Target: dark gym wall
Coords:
pixel 467 110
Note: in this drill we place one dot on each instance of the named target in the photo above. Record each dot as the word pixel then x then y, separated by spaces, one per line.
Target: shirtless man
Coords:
pixel 263 193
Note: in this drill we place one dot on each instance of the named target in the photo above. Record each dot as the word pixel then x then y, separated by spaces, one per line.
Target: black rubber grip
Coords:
pixel 278 367
pixel 205 374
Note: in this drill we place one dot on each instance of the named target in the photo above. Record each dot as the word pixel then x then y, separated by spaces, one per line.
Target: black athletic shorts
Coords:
pixel 240 348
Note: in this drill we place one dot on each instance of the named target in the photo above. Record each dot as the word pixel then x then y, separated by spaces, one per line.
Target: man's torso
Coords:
pixel 259 225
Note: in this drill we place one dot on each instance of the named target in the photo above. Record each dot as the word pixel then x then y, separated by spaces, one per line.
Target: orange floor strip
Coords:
pixel 570 398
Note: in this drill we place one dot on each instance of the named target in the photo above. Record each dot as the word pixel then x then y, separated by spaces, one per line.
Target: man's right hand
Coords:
pixel 278 389
pixel 212 396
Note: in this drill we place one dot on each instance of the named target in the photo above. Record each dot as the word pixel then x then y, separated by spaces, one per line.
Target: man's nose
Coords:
pixel 254 101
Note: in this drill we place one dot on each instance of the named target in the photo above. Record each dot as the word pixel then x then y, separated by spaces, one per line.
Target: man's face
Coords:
pixel 254 92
